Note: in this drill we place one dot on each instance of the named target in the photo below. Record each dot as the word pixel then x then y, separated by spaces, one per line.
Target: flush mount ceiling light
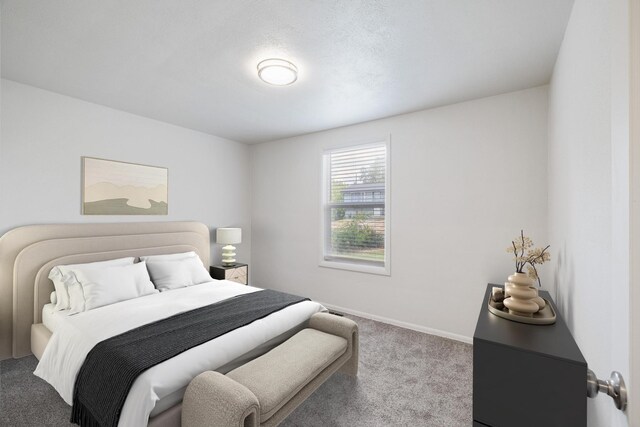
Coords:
pixel 277 72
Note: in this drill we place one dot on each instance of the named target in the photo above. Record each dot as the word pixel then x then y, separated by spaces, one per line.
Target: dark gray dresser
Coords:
pixel 527 375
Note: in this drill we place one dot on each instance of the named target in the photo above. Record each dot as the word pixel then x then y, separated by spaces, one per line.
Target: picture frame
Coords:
pixel 112 187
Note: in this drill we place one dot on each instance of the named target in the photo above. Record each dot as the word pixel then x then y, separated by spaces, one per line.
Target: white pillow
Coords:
pixel 59 275
pixel 53 298
pixel 169 257
pixel 76 295
pixel 179 273
pixel 110 285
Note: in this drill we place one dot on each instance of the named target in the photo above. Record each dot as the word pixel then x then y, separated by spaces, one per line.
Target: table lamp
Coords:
pixel 228 237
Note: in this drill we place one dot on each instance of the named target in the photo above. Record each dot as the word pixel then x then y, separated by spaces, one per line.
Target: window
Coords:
pixel 355 197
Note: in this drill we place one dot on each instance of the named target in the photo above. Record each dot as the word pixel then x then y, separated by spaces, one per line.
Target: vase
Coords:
pixel 522 295
pixel 539 300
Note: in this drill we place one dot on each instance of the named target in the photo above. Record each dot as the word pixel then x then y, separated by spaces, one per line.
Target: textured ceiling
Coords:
pixel 193 62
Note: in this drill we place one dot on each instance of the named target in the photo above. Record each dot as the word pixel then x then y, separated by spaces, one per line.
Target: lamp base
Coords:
pixel 228 255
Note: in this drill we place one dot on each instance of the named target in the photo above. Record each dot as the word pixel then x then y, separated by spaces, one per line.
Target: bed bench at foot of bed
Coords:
pixel 266 390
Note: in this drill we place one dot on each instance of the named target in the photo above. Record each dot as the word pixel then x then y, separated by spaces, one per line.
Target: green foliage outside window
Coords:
pixel 337 195
pixel 357 234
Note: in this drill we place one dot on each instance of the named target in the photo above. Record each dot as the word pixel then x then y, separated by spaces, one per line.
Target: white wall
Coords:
pixel 589 188
pixel 464 180
pixel 45 134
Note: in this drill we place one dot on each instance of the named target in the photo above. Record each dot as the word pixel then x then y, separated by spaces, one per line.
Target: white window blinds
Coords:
pixel 355 223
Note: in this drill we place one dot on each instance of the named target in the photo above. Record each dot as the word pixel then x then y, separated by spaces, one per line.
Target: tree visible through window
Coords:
pixel 354 213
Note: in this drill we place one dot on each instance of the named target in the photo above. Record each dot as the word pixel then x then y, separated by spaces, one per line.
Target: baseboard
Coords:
pixel 400 324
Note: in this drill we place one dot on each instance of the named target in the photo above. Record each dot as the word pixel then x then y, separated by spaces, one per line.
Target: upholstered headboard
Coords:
pixel 27 254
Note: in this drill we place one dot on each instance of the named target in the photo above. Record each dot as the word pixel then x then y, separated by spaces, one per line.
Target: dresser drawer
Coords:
pixel 238 274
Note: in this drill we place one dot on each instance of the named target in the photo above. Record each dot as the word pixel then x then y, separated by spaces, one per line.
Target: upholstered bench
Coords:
pixel 266 390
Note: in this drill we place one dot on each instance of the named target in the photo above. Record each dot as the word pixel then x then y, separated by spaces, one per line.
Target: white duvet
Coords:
pixel 76 335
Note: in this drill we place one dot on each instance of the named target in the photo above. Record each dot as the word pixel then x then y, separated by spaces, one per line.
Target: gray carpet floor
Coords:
pixel 405 378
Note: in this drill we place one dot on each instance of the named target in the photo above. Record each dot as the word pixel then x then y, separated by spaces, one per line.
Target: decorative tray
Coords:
pixel 546 316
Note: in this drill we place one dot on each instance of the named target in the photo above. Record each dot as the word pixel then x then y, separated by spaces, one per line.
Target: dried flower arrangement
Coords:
pixel 525 255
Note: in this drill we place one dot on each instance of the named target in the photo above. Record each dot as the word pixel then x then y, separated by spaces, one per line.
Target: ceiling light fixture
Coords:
pixel 277 72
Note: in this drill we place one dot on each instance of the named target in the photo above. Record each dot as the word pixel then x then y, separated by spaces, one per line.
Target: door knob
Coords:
pixel 614 387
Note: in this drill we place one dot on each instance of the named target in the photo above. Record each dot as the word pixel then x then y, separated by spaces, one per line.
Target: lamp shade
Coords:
pixel 228 236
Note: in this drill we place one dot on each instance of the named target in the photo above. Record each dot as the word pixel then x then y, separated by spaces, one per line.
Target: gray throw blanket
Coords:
pixel 112 366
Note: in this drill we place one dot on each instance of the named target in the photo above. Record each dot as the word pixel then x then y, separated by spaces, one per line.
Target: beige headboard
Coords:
pixel 27 254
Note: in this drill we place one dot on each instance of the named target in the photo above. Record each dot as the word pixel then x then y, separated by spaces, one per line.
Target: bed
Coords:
pixel 27 254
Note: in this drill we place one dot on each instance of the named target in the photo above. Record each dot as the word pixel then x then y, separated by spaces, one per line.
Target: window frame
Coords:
pixel 325 210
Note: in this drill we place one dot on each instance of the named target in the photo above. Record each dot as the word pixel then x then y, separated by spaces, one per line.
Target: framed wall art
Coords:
pixel 111 187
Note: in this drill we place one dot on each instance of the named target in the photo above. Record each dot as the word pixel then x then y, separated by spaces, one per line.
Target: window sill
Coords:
pixel 360 268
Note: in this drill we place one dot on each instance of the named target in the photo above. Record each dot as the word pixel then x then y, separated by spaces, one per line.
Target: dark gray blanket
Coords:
pixel 112 366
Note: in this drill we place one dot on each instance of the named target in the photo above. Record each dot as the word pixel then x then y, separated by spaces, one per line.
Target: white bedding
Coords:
pixel 51 317
pixel 76 335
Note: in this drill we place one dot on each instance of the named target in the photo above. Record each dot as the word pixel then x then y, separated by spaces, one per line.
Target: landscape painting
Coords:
pixel 119 188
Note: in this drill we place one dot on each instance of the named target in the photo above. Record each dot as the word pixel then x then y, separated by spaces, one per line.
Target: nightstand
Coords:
pixel 236 273
pixel 527 375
